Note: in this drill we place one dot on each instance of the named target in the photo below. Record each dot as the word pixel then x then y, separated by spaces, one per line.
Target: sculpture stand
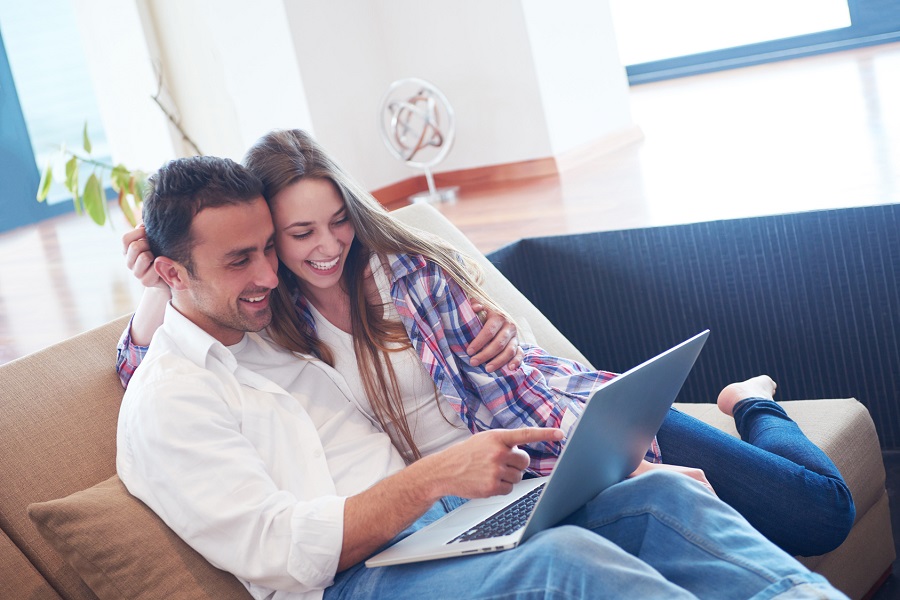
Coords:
pixel 417 126
pixel 434 195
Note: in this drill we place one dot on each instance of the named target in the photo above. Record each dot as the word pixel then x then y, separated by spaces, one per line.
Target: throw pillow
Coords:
pixel 121 549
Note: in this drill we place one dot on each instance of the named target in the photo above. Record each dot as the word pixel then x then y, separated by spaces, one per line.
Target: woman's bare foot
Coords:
pixel 761 386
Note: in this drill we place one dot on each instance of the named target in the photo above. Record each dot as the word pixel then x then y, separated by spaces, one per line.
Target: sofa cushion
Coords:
pixel 122 550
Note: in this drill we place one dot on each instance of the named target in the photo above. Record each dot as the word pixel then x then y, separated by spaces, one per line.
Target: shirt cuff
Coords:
pixel 318 536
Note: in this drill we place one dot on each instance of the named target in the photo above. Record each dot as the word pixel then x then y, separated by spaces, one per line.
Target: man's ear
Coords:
pixel 172 272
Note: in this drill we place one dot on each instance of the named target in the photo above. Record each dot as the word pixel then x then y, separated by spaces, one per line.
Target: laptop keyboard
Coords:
pixel 505 521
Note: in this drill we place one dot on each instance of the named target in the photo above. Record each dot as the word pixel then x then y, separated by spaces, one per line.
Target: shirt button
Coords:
pixel 317 453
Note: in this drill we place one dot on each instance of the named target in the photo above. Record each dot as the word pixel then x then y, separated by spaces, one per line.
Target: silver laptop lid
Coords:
pixel 612 425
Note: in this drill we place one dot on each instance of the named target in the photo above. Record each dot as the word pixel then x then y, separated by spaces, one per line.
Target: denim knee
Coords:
pixel 562 561
pixel 566 542
pixel 815 531
pixel 828 526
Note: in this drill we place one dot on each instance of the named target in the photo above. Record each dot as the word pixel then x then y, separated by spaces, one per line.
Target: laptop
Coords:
pixel 606 445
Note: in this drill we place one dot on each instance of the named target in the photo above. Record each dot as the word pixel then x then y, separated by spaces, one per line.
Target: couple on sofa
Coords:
pixel 288 456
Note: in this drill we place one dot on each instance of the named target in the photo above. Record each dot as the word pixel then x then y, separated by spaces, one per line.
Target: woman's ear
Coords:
pixel 172 272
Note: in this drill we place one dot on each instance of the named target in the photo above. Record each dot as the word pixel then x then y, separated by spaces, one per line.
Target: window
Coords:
pixel 661 39
pixel 45 98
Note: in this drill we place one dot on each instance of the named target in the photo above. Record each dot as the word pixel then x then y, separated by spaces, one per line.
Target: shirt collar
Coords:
pixel 194 343
pixel 403 265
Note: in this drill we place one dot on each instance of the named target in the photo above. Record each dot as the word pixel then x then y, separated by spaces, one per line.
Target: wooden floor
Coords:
pixel 813 133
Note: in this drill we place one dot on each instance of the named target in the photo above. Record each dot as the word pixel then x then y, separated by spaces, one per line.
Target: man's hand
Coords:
pixel 496 344
pixel 139 259
pixel 487 464
pixel 696 474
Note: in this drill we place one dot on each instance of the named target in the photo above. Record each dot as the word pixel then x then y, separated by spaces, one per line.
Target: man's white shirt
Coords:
pixel 248 453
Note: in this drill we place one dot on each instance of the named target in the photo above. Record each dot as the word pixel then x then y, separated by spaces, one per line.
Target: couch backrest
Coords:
pixel 58 413
pixel 810 298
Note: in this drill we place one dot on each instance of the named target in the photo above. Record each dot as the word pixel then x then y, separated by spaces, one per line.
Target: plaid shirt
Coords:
pixel 128 356
pixel 545 391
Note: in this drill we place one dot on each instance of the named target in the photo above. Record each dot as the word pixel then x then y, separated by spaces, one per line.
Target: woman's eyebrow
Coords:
pixel 343 209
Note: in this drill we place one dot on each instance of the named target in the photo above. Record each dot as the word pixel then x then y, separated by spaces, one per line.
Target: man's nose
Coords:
pixel 267 273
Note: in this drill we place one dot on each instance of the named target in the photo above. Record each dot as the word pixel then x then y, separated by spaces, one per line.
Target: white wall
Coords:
pixel 583 85
pixel 339 50
pixel 229 66
pixel 527 79
pixel 478 54
pixel 124 82
pixel 475 52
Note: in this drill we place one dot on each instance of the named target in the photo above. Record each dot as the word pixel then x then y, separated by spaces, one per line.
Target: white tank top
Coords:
pixel 433 424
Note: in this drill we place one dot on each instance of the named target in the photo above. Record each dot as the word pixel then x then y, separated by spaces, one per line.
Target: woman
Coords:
pixel 379 301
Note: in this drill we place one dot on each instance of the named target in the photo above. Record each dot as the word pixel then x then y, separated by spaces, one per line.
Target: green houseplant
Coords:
pixel 90 198
pixel 129 184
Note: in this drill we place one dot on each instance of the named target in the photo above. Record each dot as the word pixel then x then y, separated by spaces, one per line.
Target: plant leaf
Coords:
pixel 93 200
pixel 72 174
pixel 46 181
pixel 139 186
pixel 72 182
pixel 87 141
pixel 119 177
pixel 126 209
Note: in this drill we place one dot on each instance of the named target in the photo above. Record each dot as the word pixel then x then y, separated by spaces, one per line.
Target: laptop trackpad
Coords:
pixel 469 513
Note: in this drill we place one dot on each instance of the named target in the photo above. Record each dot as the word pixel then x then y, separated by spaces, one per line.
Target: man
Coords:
pixel 258 459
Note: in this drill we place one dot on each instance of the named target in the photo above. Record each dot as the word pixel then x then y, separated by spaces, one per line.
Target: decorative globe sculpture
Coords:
pixel 418 127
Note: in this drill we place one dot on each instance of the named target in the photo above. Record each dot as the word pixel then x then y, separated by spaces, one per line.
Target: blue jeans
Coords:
pixel 660 535
pixel 782 483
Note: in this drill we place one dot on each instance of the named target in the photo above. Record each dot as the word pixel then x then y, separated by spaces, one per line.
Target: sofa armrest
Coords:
pixel 58 413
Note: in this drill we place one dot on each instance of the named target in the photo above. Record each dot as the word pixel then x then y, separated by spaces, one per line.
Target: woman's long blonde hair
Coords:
pixel 284 157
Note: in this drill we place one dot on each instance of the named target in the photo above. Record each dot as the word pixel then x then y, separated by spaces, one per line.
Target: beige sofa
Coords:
pixel 69 530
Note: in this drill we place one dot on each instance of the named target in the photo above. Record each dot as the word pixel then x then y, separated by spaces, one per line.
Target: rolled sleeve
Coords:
pixel 128 356
pixel 320 524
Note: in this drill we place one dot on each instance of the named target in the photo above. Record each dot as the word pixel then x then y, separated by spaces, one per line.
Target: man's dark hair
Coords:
pixel 181 189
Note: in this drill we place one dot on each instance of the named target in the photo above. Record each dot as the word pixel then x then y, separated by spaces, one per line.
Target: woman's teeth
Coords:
pixel 324 266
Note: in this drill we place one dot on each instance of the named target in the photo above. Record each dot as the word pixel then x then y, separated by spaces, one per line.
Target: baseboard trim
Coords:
pixel 396 194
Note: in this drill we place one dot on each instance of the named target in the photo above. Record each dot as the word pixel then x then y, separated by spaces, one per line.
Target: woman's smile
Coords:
pixel 323 267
